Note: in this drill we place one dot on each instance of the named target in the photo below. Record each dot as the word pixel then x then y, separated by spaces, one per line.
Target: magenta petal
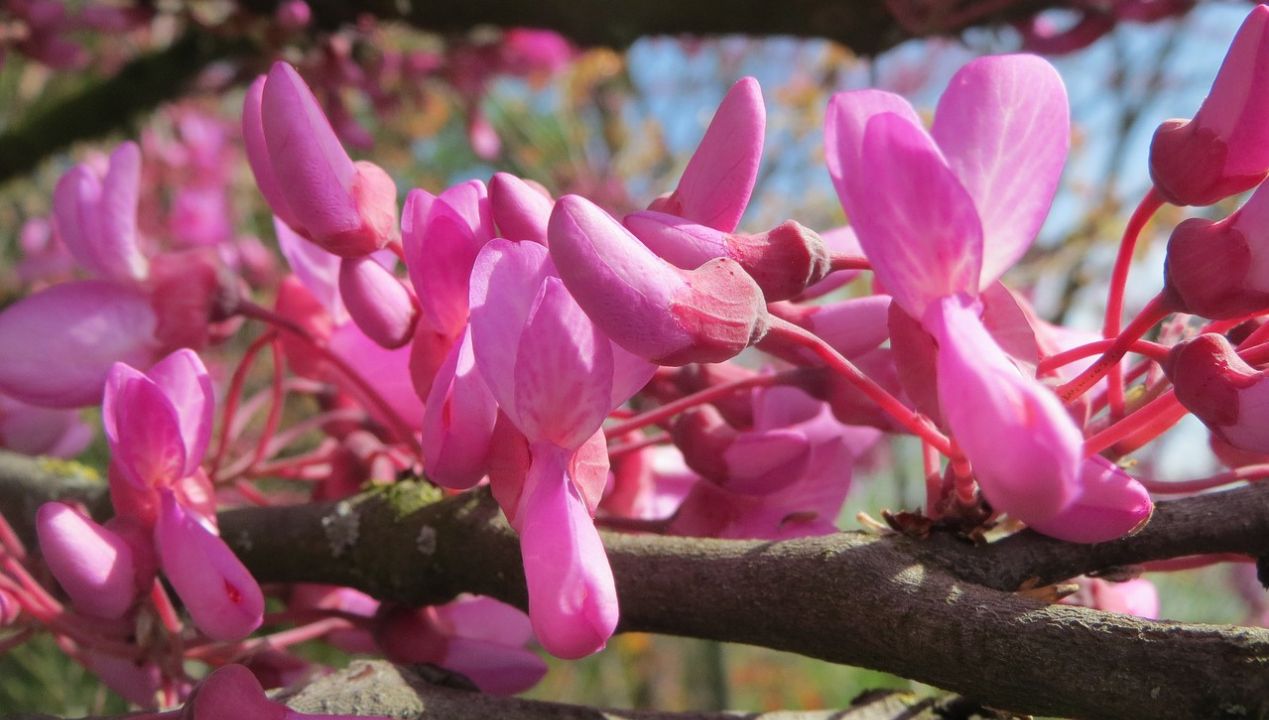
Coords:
pixel 844 125
pixel 440 253
pixel 120 190
pixel 719 179
pixel 458 420
pixel 482 618
pixel 519 210
pixel 761 463
pixel 233 692
pixel 317 269
pixel 629 374
pixel 184 380
pixel 221 596
pixel 572 596
pixel 136 681
pixel 143 428
pixel 1236 107
pixel 622 285
pixel 1111 504
pixel 679 242
pixel 92 564
pixel 257 149
pixel 853 327
pixel 563 371
pixel 1004 126
pixel 314 173
pixel 495 668
pixel 32 430
pixel 377 301
pixel 1026 451
pixel 57 345
pixel 505 281
pixel 923 245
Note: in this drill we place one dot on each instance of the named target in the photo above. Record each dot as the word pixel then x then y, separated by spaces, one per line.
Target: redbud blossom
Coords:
pixel 1220 269
pixel 377 301
pixel 719 179
pixel 1111 504
pixel 1224 150
pixel 652 309
pixel 519 209
pixel 349 209
pixel 1221 389
pixel 458 420
pixel 783 261
pixel 96 216
pixel 92 564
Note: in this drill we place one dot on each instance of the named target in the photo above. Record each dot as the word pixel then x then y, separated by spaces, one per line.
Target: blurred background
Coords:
pixel 617 126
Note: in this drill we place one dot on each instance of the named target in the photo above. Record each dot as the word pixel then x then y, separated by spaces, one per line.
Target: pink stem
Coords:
pixel 933 481
pixel 842 261
pixel 233 397
pixel 165 609
pixel 785 331
pixel 617 451
pixel 1131 424
pixel 1146 209
pixel 674 407
pixel 1155 351
pixel 10 541
pixel 1244 473
pixel 1150 315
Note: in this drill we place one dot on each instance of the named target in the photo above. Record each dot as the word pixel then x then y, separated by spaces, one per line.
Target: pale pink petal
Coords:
pixel 505 281
pixel 92 564
pixel 458 421
pixel 471 201
pixel 924 244
pixel 493 667
pixel 313 171
pixel 572 596
pixel 184 380
pixel 317 269
pixel 1024 448
pixel 518 209
pixel 482 618
pixel 57 345
pixel 377 301
pixel 629 374
pixel 624 288
pixel 1111 504
pixel 221 596
pixel 719 179
pixel 844 125
pixel 385 370
pixel 1004 127
pixel 589 468
pixel 681 243
pixel 563 371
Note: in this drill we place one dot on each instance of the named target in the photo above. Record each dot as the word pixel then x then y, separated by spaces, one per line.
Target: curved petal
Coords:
pixel 493 667
pixel 563 371
pixel 257 150
pixel 317 269
pixel 681 243
pixel 1004 127
pixel 143 429
pixel 844 125
pixel 477 617
pixel 92 564
pixel 572 596
pixel 915 221
pixel 57 345
pixel 1111 504
pixel 120 190
pixel 184 380
pixel 519 209
pixel 377 301
pixel 221 596
pixel 458 421
pixel 1026 451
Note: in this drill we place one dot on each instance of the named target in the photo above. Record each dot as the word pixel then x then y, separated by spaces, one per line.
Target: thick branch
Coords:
pixel 935 610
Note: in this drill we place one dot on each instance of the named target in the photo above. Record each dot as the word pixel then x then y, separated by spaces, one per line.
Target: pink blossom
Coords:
pixel 1224 150
pixel 92 564
pixel 33 430
pixel 96 216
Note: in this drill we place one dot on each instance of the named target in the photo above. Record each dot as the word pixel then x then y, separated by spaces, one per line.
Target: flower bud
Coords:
pixel 1221 389
pixel 92 564
pixel 660 313
pixel 1224 150
pixel 1220 269
pixel 519 209
pixel 377 301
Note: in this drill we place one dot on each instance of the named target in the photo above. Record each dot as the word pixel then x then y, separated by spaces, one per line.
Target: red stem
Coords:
pixel 842 261
pixel 617 451
pixel 1131 424
pixel 1155 351
pixel 1244 473
pixel 1118 282
pixel 709 394
pixel 234 397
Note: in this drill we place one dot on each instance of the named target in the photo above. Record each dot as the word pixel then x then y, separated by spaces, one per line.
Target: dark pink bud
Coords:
pixel 1221 269
pixel 1228 395
pixel 230 693
pixel 377 301
pixel 1224 150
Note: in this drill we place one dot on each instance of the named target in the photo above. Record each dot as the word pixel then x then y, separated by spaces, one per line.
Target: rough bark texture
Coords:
pixel 937 610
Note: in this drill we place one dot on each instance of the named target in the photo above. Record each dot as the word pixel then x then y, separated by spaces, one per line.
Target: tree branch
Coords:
pixel 939 611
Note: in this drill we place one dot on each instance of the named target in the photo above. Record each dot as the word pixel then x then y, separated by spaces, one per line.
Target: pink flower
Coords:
pixel 96 216
pixel 35 430
pixel 719 179
pixel 1224 150
pixel 652 309
pixel 233 692
pixel 92 564
pixel 1111 504
pixel 349 209
pixel 519 209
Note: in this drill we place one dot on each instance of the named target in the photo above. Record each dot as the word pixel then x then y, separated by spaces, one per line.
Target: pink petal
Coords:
pixel 630 373
pixel 471 201
pixel 223 599
pixel 92 564
pixel 761 463
pixel 143 429
pixel 1111 504
pixel 719 179
pixel 440 251
pixel 257 149
pixel 459 420
pixel 572 597
pixel 844 125
pixel 853 327
pixel 923 245
pixel 385 370
pixel 476 617
pixel 625 289
pixel 233 692
pixel 505 281
pixel 1025 449
pixel 120 190
pixel 184 380
pixel 1237 104
pixel 317 269
pixel 137 681
pixel 377 301
pixel 493 667
pixel 314 173
pixel 32 430
pixel 1004 127
pixel 589 468
pixel 681 243
pixel 519 210
pixel 57 345
pixel 563 371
